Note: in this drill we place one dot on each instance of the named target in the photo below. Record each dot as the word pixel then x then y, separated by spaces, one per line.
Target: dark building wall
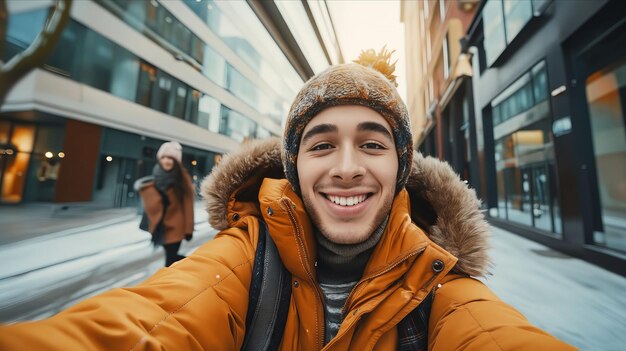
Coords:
pixel 82 146
pixel 557 36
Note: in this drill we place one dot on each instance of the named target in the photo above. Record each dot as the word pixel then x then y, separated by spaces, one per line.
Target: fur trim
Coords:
pixel 441 203
pixel 450 212
pixel 253 159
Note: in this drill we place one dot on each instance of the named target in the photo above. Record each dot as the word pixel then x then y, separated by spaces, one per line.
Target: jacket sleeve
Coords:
pixel 199 303
pixel 188 203
pixel 466 315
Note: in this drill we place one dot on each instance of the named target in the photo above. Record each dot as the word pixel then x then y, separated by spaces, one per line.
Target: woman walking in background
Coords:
pixel 168 201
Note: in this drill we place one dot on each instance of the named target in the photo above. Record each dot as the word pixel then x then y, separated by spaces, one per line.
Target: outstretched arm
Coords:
pixel 197 304
pixel 466 315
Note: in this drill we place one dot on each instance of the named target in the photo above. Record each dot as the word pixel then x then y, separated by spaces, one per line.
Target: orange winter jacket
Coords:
pixel 200 303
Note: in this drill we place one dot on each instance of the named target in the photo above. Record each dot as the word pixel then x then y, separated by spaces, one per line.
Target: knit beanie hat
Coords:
pixel 171 149
pixel 369 82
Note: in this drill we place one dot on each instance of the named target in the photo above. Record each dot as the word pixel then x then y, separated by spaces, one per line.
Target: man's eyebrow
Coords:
pixel 319 129
pixel 374 127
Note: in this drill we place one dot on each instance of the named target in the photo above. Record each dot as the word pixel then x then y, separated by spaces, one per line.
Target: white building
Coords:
pixel 129 75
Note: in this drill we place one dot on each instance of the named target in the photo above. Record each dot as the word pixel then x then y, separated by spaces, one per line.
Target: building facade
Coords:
pixel 129 75
pixel 439 89
pixel 548 116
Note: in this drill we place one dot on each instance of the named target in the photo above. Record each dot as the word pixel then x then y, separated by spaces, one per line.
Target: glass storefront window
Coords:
pixel 45 164
pixel 21 140
pixel 605 90
pixel 524 173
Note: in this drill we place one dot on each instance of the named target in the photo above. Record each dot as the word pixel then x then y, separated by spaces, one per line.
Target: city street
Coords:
pixel 573 300
pixel 46 274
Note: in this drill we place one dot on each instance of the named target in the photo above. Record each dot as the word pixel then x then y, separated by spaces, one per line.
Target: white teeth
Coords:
pixel 347 201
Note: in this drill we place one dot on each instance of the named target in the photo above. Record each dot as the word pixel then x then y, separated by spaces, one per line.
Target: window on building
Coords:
pixel 446 57
pixel 146 84
pixel 64 59
pixel 493 27
pixel 192 106
pixel 262 133
pixel 209 113
pixel 524 166
pixel 125 70
pixel 179 99
pixel 236 125
pixel 162 97
pixel 525 93
pixel 516 14
pixel 605 97
pixel 540 82
pixel 97 57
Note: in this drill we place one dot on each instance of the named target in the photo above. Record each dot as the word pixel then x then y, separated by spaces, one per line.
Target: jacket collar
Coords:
pixel 436 199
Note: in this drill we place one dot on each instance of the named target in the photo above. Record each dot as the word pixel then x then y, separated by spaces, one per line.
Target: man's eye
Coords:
pixel 373 146
pixel 320 147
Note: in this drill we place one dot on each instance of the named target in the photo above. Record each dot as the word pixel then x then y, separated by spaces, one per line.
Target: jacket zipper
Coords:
pixel 390 267
pixel 294 223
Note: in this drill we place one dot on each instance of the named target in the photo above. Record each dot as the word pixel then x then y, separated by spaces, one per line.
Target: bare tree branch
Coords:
pixel 38 51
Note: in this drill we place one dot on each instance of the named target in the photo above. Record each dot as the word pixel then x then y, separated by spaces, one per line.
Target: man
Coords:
pixel 381 245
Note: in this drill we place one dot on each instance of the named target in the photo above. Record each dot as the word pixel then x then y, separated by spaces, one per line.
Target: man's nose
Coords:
pixel 348 165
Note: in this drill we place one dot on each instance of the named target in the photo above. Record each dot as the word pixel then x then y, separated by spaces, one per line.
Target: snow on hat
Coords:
pixel 367 82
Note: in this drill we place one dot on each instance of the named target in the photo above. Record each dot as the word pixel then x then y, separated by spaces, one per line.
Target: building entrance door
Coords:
pixel 16 146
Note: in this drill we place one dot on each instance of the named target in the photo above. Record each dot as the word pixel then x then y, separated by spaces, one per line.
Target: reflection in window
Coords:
pixel 147 77
pixel 605 97
pixel 98 51
pixel 209 113
pixel 523 94
pixel 236 125
pixel 540 81
pixel 517 14
pixel 193 102
pixel 525 177
pixel 493 23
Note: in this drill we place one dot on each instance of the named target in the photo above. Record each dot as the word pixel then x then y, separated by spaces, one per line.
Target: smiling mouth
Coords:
pixel 347 200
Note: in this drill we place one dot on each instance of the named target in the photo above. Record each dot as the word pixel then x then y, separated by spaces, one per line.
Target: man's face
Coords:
pixel 347 166
pixel 167 163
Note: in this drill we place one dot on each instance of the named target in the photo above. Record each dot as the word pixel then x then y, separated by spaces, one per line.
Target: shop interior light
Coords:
pixel 109 158
pixel 48 154
pixel 61 154
pixel 194 162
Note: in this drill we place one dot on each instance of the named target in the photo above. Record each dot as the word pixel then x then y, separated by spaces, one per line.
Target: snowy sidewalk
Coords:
pixel 43 251
pixel 573 300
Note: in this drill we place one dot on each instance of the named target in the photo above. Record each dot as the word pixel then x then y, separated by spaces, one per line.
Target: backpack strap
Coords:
pixel 268 298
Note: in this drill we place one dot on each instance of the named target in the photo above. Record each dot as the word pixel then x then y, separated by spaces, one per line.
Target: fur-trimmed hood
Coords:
pixel 442 205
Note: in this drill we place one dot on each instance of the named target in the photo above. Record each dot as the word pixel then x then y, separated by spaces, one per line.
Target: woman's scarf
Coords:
pixel 162 179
